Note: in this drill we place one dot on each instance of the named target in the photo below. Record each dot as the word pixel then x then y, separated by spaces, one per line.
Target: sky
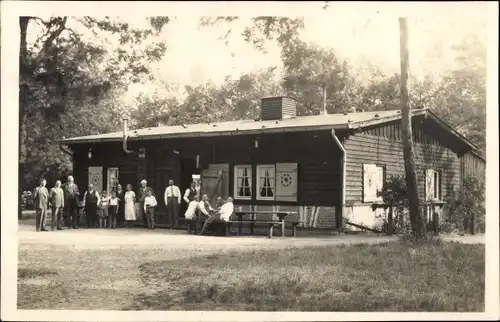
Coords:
pixel 359 32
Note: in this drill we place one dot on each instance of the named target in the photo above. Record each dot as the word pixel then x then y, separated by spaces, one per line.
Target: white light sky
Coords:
pixel 360 32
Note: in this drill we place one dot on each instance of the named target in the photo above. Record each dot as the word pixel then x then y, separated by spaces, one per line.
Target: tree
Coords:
pixel 459 96
pixel 234 99
pixel 67 83
pixel 417 223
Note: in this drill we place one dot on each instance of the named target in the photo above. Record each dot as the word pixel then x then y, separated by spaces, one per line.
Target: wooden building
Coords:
pixel 324 166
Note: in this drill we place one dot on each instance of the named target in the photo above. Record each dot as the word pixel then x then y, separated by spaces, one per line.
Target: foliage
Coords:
pixel 459 96
pixel 234 99
pixel 69 84
pixel 395 193
pixel 465 204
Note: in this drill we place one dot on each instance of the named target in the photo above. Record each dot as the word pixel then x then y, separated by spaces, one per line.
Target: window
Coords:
pixel 373 182
pixel 265 182
pixel 273 182
pixel 112 183
pixel 432 184
pixel 243 182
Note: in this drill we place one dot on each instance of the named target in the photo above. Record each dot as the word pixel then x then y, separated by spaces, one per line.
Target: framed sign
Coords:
pixel 95 177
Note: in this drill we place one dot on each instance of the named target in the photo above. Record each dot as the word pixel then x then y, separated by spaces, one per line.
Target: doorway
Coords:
pixel 188 168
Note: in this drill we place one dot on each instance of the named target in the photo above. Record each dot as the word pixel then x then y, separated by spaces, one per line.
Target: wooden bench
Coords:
pixel 271 225
pixel 194 225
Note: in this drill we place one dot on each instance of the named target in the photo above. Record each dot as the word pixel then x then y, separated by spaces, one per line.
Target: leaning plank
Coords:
pixel 363 227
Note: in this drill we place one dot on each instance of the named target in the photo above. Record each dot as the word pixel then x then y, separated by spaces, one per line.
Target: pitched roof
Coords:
pixel 354 120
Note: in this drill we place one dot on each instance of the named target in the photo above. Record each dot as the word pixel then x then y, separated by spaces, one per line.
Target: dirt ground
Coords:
pixel 60 272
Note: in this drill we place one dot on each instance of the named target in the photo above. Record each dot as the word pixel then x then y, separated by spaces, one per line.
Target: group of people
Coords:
pixel 105 211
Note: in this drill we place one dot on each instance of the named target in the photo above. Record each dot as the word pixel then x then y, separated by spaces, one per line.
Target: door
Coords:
pixel 188 168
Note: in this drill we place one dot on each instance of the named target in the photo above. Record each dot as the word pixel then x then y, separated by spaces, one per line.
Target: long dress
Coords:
pixel 130 205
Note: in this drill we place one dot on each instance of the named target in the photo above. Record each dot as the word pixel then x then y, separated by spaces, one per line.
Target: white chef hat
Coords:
pixel 143 181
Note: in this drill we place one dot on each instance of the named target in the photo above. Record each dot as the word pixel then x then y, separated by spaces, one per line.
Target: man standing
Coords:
pixel 172 200
pixel 223 214
pixel 90 201
pixel 71 195
pixel 142 197
pixel 41 197
pixel 190 193
pixel 57 205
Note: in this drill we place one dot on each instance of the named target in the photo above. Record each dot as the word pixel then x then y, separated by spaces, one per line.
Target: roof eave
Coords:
pixel 454 132
pixel 206 134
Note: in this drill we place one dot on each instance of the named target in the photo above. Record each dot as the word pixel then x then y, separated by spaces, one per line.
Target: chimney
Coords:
pixel 278 108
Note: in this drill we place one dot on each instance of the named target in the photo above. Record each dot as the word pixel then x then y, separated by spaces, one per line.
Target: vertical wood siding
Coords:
pixel 383 146
pixel 472 166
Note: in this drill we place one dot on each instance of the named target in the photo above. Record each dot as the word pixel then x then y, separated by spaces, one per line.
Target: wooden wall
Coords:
pixel 383 146
pixel 472 166
pixel 318 158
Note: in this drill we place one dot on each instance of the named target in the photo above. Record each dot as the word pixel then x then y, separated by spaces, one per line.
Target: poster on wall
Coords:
pixel 95 177
pixel 286 181
pixel 370 182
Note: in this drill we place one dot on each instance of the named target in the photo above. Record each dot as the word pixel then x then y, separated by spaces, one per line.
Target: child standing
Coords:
pixel 114 204
pixel 149 208
pixel 103 207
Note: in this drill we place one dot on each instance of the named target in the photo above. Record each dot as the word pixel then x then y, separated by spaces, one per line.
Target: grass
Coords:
pixel 394 276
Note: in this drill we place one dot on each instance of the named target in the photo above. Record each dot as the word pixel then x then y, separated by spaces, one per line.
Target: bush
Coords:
pixel 467 204
pixel 396 194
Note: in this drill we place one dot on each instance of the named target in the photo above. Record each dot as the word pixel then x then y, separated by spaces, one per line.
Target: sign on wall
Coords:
pixel 371 182
pixel 429 184
pixel 95 177
pixel 286 181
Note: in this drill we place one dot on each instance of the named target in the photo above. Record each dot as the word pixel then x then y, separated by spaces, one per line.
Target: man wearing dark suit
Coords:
pixel 142 196
pixel 71 195
pixel 91 200
pixel 41 198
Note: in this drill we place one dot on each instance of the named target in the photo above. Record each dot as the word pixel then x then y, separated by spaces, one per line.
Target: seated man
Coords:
pixel 192 208
pixel 223 214
pixel 205 208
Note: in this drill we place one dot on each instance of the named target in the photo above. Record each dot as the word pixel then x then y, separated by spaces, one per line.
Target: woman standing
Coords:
pixel 120 216
pixel 129 206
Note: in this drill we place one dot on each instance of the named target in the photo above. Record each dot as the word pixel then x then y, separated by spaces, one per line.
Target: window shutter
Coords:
pixel 370 182
pixel 95 177
pixel 380 183
pixel 286 181
pixel 429 184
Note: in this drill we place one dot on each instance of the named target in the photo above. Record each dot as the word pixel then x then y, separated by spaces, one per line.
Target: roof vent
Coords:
pixel 376 115
pixel 278 108
pixel 214 125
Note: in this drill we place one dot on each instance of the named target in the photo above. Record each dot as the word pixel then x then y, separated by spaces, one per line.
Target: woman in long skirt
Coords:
pixel 130 206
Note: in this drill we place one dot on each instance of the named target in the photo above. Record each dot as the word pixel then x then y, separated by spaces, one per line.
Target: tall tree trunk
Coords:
pixel 418 228
pixel 24 70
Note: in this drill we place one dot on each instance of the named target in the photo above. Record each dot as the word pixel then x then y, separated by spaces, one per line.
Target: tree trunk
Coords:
pixel 418 227
pixel 23 96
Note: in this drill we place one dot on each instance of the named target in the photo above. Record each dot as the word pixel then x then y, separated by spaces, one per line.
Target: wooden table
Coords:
pixel 254 213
